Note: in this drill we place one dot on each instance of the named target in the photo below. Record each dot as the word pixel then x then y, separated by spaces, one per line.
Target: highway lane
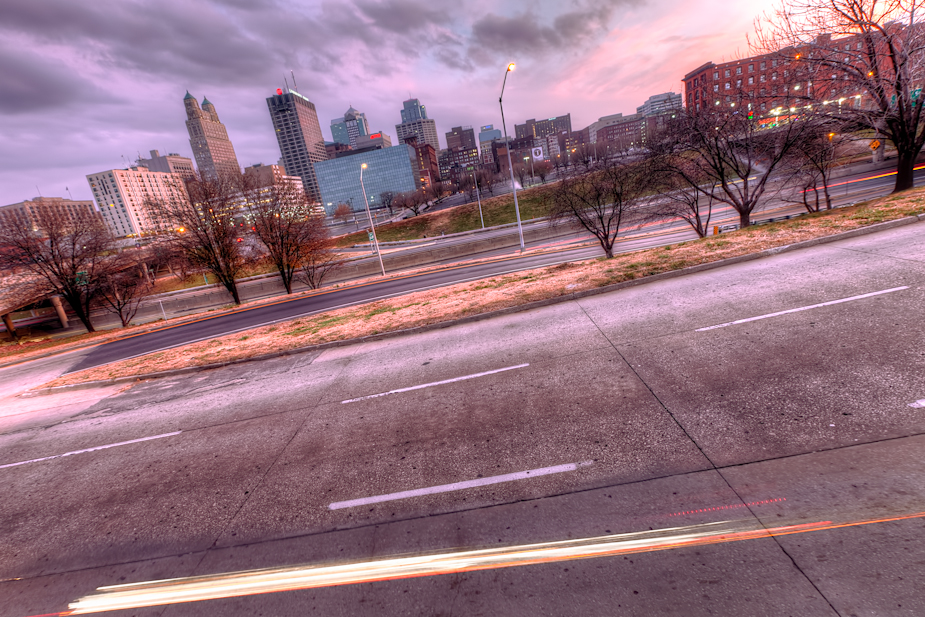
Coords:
pixel 210 327
pixel 617 421
pixel 247 318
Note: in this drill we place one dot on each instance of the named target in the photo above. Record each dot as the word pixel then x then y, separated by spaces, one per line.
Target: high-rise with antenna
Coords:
pixel 209 140
pixel 298 132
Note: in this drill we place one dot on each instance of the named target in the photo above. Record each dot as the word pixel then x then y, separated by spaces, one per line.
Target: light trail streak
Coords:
pixel 273 580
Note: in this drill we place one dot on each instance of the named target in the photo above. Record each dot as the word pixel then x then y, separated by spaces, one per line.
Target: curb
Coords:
pixel 861 231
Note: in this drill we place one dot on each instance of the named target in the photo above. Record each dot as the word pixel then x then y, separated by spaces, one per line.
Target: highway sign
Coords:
pixel 875 144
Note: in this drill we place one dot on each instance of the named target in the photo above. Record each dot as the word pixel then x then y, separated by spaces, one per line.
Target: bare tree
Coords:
pixel 387 197
pixel 284 222
pixel 415 200
pixel 601 201
pixel 69 256
pixel 729 156
pixel 683 193
pixel 436 192
pixel 488 180
pixel 865 60
pixel 521 172
pixel 319 260
pixel 205 229
pixel 342 212
pixel 467 185
pixel 543 169
pixel 122 294
pixel 813 162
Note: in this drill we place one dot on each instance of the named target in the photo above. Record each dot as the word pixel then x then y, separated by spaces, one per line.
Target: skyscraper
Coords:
pixel 413 110
pixel 209 139
pixel 415 123
pixel 299 135
pixel 346 130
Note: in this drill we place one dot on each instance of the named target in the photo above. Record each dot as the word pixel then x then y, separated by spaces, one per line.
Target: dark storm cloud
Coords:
pixel 30 83
pixel 525 33
pixel 402 16
pixel 166 38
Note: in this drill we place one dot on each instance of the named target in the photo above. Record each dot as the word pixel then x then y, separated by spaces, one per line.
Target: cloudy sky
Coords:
pixel 85 83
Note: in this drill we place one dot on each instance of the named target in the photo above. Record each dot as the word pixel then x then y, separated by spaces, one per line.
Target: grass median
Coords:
pixel 510 290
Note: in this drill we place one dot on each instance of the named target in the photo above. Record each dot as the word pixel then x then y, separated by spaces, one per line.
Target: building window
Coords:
pixel 764 78
pixel 764 65
pixel 751 68
pixel 727 73
pixel 774 76
pixel 715 74
pixel 751 80
pixel 738 70
pixel 738 83
pixel 773 63
pixel 715 87
pixel 728 86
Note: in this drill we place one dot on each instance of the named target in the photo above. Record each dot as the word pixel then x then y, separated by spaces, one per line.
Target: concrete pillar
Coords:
pixel 8 322
pixel 59 308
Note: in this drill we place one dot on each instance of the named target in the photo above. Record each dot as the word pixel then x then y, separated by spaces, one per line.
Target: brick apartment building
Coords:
pixel 769 83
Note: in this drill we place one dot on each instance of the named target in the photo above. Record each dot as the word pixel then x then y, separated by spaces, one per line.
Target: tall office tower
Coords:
pixel 415 123
pixel 171 163
pixel 299 135
pixel 461 137
pixel 209 139
pixel 413 110
pixel 346 130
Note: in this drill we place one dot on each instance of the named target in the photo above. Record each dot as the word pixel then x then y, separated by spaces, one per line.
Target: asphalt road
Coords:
pixel 768 467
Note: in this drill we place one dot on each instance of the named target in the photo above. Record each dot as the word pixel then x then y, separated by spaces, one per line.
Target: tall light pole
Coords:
pixel 371 226
pixel 510 166
pixel 478 196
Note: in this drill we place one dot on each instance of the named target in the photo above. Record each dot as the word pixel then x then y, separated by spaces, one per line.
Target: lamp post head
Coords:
pixel 363 166
pixel 511 67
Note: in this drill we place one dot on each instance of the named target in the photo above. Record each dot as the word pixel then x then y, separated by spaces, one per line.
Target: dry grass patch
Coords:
pixel 424 308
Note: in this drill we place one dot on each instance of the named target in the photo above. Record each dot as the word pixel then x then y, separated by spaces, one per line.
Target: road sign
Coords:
pixel 81 278
pixel 537 154
pixel 875 144
pixel 370 234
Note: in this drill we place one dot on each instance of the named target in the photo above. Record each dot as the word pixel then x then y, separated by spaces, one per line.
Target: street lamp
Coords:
pixel 532 173
pixel 371 226
pixel 478 196
pixel 510 166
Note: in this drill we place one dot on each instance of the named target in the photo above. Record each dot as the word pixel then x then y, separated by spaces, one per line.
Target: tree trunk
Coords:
pixel 83 316
pixel 904 173
pixel 745 219
pixel 287 280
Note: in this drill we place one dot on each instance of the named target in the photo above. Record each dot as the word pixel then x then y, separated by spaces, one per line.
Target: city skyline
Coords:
pixel 90 85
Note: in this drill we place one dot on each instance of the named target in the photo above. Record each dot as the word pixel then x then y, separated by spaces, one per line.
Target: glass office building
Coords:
pixel 387 169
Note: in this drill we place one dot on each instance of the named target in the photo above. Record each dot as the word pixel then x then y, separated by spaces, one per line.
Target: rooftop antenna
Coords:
pixel 39 191
pixel 293 80
pixel 69 193
pixel 287 83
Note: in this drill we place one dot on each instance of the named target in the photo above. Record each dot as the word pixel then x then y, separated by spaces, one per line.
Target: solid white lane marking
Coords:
pixel 436 383
pixel 918 404
pixel 112 445
pixel 458 486
pixel 802 308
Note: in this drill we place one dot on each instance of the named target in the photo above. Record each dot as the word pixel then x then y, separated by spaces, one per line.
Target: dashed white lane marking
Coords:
pixel 436 383
pixel 802 308
pixel 112 445
pixel 458 486
pixel 918 404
